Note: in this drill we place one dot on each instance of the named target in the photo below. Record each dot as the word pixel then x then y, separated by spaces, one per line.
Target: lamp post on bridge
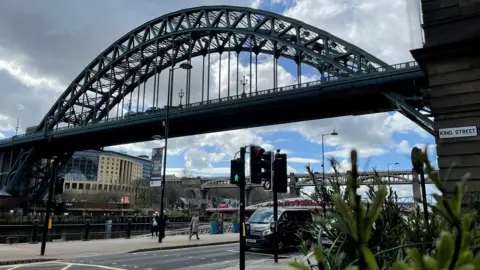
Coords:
pixel 334 133
pixel 181 94
pixel 388 169
pixel 186 66
pixel 243 82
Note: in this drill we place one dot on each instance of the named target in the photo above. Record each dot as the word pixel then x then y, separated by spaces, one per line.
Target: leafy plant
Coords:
pixel 236 219
pixel 361 225
pixel 216 217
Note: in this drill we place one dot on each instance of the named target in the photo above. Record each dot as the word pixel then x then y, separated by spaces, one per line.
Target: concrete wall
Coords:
pixel 446 21
pixel 451 60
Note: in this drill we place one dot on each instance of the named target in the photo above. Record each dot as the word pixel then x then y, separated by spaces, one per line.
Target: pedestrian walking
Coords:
pixel 154 225
pixel 194 224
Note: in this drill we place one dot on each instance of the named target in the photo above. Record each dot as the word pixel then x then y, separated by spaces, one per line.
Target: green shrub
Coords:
pixel 236 219
pixel 376 235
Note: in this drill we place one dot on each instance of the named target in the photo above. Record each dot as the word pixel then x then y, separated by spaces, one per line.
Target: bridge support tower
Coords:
pixel 294 191
pixel 248 195
pixel 450 58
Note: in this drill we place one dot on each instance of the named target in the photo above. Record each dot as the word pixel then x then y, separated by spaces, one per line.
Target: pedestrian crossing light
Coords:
pixel 237 171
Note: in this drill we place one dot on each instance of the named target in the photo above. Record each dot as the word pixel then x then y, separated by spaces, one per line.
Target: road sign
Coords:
pixel 457 132
pixel 155 183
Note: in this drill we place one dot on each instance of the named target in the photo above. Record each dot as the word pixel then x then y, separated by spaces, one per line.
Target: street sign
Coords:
pixel 457 132
pixel 155 183
pixel 157 157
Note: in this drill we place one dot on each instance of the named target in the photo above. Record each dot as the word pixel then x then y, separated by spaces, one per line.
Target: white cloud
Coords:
pixel 362 153
pixel 303 160
pixel 2 135
pixel 41 75
pixel 17 71
pixel 404 147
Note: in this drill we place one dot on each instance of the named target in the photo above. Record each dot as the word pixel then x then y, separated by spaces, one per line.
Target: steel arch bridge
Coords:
pixel 120 74
pixel 304 180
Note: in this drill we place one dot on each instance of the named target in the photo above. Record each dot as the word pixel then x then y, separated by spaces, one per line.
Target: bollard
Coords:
pixel 33 239
pixel 129 228
pixel 86 230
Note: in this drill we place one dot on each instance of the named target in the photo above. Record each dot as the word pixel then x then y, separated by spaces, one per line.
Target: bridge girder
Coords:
pixel 182 35
pixel 366 178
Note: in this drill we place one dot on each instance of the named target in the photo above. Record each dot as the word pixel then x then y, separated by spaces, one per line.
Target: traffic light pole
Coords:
pixel 242 211
pixel 51 185
pixel 275 210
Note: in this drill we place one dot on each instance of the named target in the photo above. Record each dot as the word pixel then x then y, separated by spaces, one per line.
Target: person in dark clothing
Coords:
pixel 155 226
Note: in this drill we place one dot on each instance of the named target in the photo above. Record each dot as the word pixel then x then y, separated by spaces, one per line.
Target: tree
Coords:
pixel 142 193
pixel 173 193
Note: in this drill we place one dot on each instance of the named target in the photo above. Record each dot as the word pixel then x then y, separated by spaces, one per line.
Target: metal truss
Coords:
pixel 182 35
pixel 411 112
pixel 45 174
pixel 18 166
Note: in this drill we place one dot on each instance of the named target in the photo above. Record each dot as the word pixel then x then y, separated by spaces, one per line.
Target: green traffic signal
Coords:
pixel 237 172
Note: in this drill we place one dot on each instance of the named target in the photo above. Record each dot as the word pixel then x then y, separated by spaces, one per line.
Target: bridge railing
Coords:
pixel 324 80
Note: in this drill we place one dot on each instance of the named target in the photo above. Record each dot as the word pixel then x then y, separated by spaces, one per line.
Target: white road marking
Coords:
pixel 67 266
pixel 260 254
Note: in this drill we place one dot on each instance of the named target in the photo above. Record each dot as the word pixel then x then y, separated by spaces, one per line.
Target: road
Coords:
pixel 200 258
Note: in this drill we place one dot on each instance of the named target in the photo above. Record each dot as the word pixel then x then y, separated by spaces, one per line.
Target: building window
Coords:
pixel 74 185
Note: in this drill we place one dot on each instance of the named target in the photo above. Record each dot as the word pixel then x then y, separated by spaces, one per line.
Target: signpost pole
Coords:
pixel 275 209
pixel 242 233
pixel 47 222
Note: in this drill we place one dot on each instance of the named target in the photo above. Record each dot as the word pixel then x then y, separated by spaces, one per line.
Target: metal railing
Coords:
pixel 192 106
pixel 88 231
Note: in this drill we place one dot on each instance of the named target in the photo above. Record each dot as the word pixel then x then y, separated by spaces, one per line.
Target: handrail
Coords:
pixel 323 80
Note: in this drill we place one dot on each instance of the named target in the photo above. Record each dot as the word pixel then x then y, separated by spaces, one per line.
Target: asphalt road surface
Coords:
pixel 199 258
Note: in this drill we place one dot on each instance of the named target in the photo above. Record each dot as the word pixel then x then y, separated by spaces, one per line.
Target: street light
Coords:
pixel 181 94
pixel 187 66
pixel 334 133
pixel 388 169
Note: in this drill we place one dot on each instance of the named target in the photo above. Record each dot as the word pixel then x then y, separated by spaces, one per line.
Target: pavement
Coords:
pixel 24 252
pixel 195 258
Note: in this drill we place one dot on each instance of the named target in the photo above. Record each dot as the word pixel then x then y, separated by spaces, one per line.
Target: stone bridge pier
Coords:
pixel 294 190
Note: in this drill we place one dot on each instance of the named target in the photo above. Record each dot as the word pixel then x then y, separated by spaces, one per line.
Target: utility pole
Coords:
pixel 237 177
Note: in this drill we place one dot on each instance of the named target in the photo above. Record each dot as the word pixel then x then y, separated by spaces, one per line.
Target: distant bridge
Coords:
pixel 303 180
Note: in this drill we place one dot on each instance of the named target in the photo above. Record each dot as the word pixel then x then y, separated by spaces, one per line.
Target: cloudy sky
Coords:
pixel 45 44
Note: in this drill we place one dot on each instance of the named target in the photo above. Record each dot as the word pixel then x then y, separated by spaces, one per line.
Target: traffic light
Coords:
pixel 256 153
pixel 237 171
pixel 280 176
pixel 58 188
pixel 261 165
